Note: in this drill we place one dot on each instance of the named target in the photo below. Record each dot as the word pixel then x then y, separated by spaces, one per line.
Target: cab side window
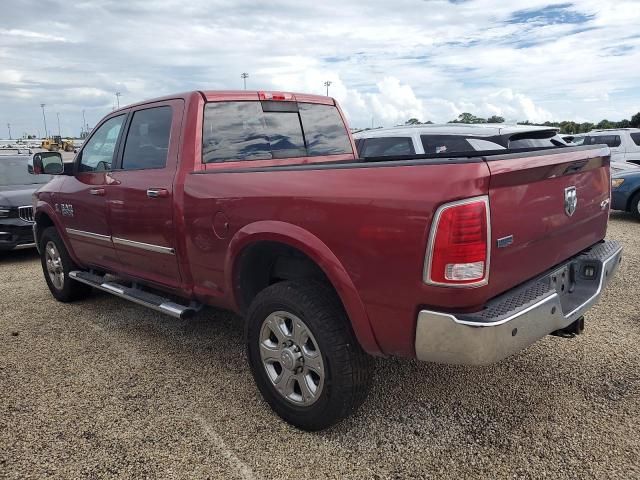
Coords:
pixel 147 142
pixel 97 154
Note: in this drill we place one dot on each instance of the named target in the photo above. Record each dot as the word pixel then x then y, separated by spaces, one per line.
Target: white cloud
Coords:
pixel 386 60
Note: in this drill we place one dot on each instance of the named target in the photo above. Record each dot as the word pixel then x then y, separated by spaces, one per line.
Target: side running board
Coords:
pixel 136 295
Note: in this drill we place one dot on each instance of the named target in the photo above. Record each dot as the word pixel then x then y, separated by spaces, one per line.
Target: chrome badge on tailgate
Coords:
pixel 570 200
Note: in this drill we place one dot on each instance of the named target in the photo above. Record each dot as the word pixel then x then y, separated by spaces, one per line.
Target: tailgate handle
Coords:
pixel 97 191
pixel 157 193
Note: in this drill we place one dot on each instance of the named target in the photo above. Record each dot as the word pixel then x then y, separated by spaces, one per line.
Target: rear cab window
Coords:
pixel 263 130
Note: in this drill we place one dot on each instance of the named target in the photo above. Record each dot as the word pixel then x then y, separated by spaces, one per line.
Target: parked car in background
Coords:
pixel 453 138
pixel 624 143
pixel 574 140
pixel 257 202
pixel 625 190
pixel 16 189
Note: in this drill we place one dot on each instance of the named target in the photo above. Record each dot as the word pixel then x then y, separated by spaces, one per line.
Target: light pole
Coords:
pixel 118 98
pixel 44 117
pixel 244 77
pixel 84 124
pixel 326 84
pixel 58 115
pixel 9 127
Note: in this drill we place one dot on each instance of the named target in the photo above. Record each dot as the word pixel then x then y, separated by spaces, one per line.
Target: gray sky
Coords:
pixel 390 60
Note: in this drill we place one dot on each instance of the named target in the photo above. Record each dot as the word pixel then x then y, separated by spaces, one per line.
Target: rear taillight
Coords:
pixel 458 250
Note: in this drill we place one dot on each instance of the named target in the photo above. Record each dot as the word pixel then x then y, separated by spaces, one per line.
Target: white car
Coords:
pixel 624 143
pixel 453 138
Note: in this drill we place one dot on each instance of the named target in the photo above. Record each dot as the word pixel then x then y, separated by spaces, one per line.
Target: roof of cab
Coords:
pixel 231 95
pixel 218 95
pixel 476 129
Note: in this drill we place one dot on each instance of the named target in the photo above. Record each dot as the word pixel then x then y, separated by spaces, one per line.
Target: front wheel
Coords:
pixel 303 354
pixel 56 265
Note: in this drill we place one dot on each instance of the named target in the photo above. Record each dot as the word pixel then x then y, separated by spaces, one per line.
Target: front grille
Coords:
pixel 26 213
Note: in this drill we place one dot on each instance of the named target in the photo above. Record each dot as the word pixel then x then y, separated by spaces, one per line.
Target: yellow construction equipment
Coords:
pixel 56 143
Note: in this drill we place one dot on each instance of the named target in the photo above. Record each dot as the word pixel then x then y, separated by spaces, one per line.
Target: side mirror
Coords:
pixel 47 163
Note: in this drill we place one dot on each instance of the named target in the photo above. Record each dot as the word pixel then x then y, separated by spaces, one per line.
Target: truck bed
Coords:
pixel 375 216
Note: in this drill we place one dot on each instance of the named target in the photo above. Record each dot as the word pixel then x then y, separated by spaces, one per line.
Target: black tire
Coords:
pixel 347 368
pixel 71 290
pixel 635 206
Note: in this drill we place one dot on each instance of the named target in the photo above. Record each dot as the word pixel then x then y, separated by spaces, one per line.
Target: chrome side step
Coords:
pixel 136 295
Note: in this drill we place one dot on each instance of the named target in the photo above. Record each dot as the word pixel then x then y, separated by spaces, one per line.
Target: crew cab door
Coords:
pixel 81 202
pixel 141 203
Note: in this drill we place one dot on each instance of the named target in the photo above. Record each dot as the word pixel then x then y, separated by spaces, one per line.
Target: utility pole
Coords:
pixel 9 127
pixel 326 84
pixel 84 124
pixel 58 115
pixel 244 77
pixel 118 98
pixel 44 117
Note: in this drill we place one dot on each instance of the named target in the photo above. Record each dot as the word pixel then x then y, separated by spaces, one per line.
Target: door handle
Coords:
pixel 97 191
pixel 157 193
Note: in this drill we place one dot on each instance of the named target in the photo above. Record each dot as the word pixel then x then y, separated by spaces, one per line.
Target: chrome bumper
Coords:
pixel 520 317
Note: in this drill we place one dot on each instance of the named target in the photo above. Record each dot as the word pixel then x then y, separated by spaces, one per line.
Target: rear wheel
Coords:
pixel 635 205
pixel 56 265
pixel 303 355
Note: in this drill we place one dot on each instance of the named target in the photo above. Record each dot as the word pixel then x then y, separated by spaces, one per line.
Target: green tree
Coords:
pixel 495 119
pixel 604 124
pixel 412 121
pixel 635 121
pixel 467 117
pixel 586 127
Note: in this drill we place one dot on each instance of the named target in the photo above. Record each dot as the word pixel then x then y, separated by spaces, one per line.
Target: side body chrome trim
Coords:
pixel 144 246
pixel 94 236
pixel 426 272
pixel 121 241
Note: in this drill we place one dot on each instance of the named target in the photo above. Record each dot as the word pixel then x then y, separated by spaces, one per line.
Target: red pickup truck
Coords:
pixel 257 202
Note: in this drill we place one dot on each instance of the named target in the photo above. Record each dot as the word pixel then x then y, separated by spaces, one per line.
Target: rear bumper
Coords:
pixel 520 317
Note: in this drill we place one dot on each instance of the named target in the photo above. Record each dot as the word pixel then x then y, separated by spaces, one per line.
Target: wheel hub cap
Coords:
pixel 53 262
pixel 291 357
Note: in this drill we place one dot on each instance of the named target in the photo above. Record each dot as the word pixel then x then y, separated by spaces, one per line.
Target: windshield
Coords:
pixel 14 172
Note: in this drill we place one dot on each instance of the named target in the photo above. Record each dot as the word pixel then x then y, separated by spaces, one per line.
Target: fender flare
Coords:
pixel 303 240
pixel 43 208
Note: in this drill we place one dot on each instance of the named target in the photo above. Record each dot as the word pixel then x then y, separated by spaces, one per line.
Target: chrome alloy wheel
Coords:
pixel 291 357
pixel 54 265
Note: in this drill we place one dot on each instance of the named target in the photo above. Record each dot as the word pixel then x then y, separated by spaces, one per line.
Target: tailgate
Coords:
pixel 546 206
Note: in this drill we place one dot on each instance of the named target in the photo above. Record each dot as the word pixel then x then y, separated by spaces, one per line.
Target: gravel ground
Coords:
pixel 103 388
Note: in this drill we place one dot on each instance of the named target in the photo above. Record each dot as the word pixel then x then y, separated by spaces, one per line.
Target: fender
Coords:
pixel 44 208
pixel 316 250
